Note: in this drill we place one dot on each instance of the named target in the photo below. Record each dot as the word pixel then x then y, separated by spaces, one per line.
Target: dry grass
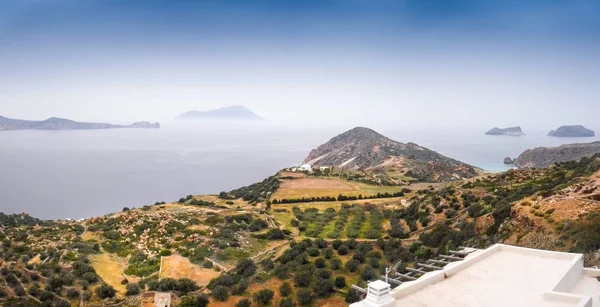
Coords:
pixel 319 187
pixel 285 174
pixel 178 267
pixel 35 259
pixel 110 268
pixel 91 236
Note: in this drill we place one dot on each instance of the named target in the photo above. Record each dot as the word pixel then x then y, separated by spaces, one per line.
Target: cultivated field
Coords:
pixel 178 267
pixel 320 187
pixel 110 268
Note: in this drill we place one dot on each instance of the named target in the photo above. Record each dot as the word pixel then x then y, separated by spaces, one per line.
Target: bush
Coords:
pixel 352 266
pixel 133 289
pixel 343 250
pixel 240 287
pixel 352 296
pixel 304 296
pixel 264 297
pixel 105 291
pixel 340 282
pixel 243 303
pixel 285 290
pixel 220 293
pixel 287 302
pixel 71 293
pixel 199 301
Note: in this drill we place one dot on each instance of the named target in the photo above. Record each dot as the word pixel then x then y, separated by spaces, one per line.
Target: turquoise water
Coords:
pixel 76 174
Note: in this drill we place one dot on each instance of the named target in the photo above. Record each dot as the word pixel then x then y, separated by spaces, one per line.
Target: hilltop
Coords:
pixel 572 131
pixel 512 131
pixel 237 113
pixel 364 149
pixel 547 156
pixel 55 123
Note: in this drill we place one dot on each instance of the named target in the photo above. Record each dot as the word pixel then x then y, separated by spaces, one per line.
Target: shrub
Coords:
pixel 287 302
pixel 264 297
pixel 352 266
pixel 335 264
pixel 343 250
pixel 352 296
pixel 220 293
pixel 243 303
pixel 285 290
pixel 304 297
pixel 133 289
pixel 340 282
pixel 105 291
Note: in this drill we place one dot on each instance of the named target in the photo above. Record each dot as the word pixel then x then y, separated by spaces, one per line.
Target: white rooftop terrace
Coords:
pixel 504 275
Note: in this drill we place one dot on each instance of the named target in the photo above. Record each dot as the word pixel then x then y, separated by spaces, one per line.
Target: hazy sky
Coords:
pixel 485 63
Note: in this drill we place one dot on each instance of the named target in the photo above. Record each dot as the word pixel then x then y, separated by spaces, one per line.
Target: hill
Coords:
pixel 513 131
pixel 547 156
pixel 55 123
pixel 364 149
pixel 237 113
pixel 572 131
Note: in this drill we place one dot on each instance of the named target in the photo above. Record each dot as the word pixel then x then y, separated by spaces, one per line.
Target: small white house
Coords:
pixel 305 168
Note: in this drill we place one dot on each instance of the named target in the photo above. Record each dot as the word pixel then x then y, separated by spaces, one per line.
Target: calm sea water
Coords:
pixel 76 174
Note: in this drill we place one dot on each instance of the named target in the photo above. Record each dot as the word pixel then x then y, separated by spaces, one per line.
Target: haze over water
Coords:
pixel 84 173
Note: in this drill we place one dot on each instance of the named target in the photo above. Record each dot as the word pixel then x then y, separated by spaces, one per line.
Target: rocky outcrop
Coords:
pixel 232 113
pixel 55 123
pixel 508 160
pixel 572 131
pixel 366 150
pixel 144 125
pixel 512 131
pixel 547 156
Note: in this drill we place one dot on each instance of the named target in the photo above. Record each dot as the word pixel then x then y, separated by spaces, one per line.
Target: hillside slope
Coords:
pixel 547 156
pixel 364 149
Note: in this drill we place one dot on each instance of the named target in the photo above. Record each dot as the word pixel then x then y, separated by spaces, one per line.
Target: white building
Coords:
pixel 305 168
pixel 499 276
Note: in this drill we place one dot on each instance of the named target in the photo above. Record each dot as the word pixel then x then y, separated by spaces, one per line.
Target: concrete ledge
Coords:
pixel 455 267
pixel 412 286
pixel 591 272
pixel 580 300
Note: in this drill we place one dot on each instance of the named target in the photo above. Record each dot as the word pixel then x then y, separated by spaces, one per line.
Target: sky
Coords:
pixel 405 62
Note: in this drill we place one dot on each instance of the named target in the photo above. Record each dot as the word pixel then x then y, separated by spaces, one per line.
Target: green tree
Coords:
pixel 264 297
pixel 243 303
pixel 220 293
pixel 304 297
pixel 133 289
pixel 105 291
pixel 285 289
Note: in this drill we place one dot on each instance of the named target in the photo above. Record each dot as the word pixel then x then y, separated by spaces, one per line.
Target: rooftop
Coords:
pixel 504 275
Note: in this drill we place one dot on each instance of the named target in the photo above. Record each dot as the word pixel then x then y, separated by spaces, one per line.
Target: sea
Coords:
pixel 83 173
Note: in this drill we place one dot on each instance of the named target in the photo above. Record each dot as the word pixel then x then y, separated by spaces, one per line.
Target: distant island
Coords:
pixel 548 156
pixel 55 123
pixel 236 113
pixel 572 131
pixel 512 131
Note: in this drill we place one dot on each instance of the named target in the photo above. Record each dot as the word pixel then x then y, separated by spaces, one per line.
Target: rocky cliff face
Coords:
pixel 55 123
pixel 572 131
pixel 547 156
pixel 366 150
pixel 512 131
